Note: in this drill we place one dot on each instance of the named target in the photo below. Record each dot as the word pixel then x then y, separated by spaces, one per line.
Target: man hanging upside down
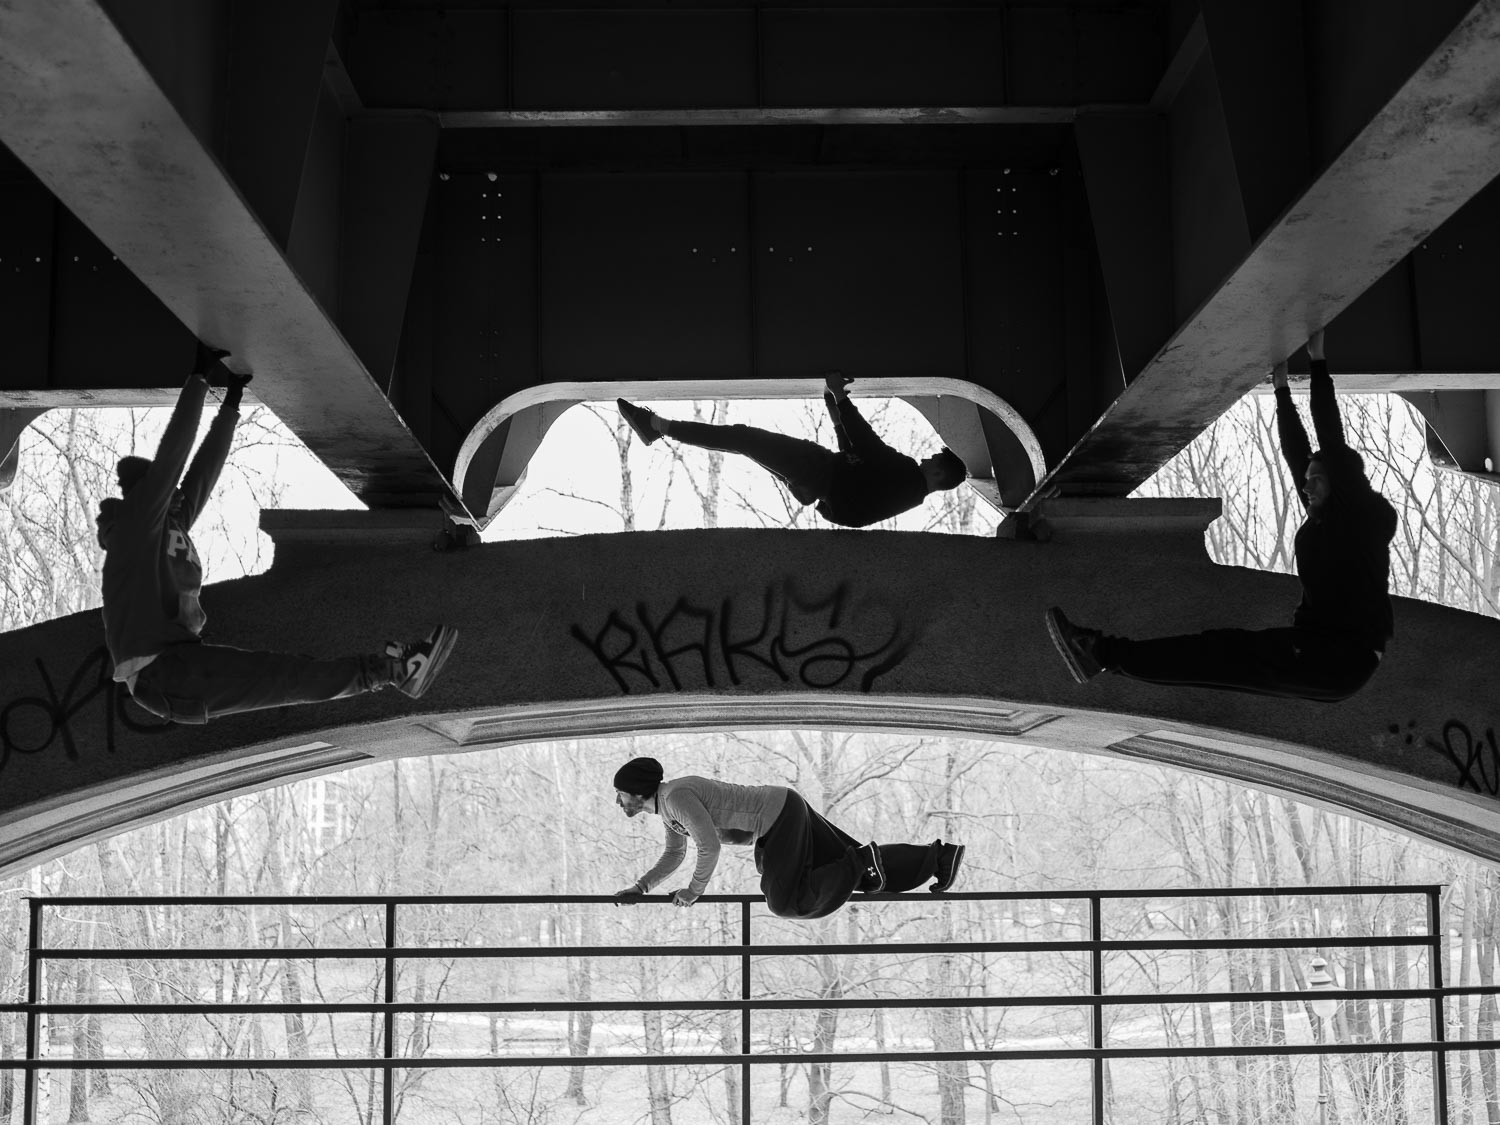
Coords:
pixel 1339 631
pixel 152 580
pixel 865 482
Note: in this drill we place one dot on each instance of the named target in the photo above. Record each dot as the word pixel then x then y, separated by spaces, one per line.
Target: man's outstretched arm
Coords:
pixel 855 436
pixel 671 858
pixel 208 463
pixel 154 490
pixel 1327 424
pixel 1294 447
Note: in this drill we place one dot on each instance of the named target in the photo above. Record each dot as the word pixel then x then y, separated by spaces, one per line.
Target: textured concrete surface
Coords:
pixel 733 628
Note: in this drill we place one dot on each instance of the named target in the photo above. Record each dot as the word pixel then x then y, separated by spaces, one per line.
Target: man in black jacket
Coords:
pixel 153 578
pixel 865 482
pixel 1341 627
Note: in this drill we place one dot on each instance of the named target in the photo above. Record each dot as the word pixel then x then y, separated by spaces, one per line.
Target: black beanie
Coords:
pixel 639 776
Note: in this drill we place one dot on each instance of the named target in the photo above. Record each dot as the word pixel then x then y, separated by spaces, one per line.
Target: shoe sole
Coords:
pixel 423 677
pixel 645 436
pixel 1065 650
pixel 958 859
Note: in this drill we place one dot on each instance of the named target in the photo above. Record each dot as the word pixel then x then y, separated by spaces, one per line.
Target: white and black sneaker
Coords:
pixel 421 661
pixel 1078 646
pixel 872 869
pixel 949 860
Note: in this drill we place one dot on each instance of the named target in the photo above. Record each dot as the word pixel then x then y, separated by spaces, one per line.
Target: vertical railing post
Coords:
pixel 745 1013
pixel 1435 942
pixel 388 1078
pixel 1096 981
pixel 33 1018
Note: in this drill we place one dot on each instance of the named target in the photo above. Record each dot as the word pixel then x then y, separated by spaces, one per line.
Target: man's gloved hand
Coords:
pixel 836 381
pixel 683 897
pixel 628 894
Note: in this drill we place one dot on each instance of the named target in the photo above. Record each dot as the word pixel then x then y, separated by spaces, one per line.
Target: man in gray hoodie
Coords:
pixel 808 866
pixel 153 578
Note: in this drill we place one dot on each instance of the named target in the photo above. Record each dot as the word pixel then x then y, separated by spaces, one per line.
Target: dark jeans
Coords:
pixel 1287 663
pixel 192 683
pixel 808 867
pixel 805 466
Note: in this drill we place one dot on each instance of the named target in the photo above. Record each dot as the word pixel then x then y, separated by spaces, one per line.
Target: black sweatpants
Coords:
pixel 808 867
pixel 194 682
pixel 1288 663
pixel 805 466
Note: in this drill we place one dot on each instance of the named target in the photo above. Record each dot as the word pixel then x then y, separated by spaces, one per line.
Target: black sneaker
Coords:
pixel 423 660
pixel 1076 645
pixel 868 858
pixel 949 861
pixel 207 360
pixel 638 418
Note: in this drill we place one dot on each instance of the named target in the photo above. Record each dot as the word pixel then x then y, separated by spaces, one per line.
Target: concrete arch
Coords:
pixel 1004 457
pixel 693 630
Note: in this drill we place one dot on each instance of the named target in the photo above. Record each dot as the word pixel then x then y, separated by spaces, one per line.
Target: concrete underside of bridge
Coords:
pixel 402 215
pixel 734 629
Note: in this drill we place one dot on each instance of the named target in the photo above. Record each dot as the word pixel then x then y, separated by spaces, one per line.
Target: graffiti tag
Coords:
pixel 1477 758
pixel 33 724
pixel 819 643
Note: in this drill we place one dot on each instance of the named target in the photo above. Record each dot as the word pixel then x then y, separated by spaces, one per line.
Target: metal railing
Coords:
pixel 1096 1000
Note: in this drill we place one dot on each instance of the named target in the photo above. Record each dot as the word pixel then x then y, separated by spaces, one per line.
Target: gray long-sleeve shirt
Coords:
pixel 712 813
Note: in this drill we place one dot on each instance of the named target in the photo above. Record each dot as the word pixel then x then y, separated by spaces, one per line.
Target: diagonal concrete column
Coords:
pixel 600 635
pixel 82 111
pixel 1430 149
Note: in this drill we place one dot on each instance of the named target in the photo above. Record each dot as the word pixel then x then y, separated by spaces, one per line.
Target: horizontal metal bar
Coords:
pixel 752 115
pixel 525 900
pixel 1073 1000
pixel 358 952
pixel 438 1062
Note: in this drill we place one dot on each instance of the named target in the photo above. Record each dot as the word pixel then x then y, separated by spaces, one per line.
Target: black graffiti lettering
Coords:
pixel 682 611
pixel 734 650
pixel 838 655
pixel 895 656
pixel 613 662
pixel 821 642
pixel 893 647
pixel 33 724
pixel 1477 759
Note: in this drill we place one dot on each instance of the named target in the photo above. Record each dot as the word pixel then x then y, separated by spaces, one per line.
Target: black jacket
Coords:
pixel 871 481
pixel 1344 552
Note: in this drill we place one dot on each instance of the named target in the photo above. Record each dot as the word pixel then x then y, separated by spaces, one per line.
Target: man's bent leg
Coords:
pixel 805 466
pixel 1283 663
pixel 808 867
pixel 195 682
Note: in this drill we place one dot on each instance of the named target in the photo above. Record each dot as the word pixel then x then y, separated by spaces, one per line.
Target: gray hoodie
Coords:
pixel 713 813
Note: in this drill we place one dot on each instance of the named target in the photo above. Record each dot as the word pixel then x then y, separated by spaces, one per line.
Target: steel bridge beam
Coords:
pixel 1427 151
pixel 80 107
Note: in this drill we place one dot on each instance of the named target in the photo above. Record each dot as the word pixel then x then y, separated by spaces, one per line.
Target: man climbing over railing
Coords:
pixel 808 866
pixel 865 482
pixel 152 580
pixel 1339 631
